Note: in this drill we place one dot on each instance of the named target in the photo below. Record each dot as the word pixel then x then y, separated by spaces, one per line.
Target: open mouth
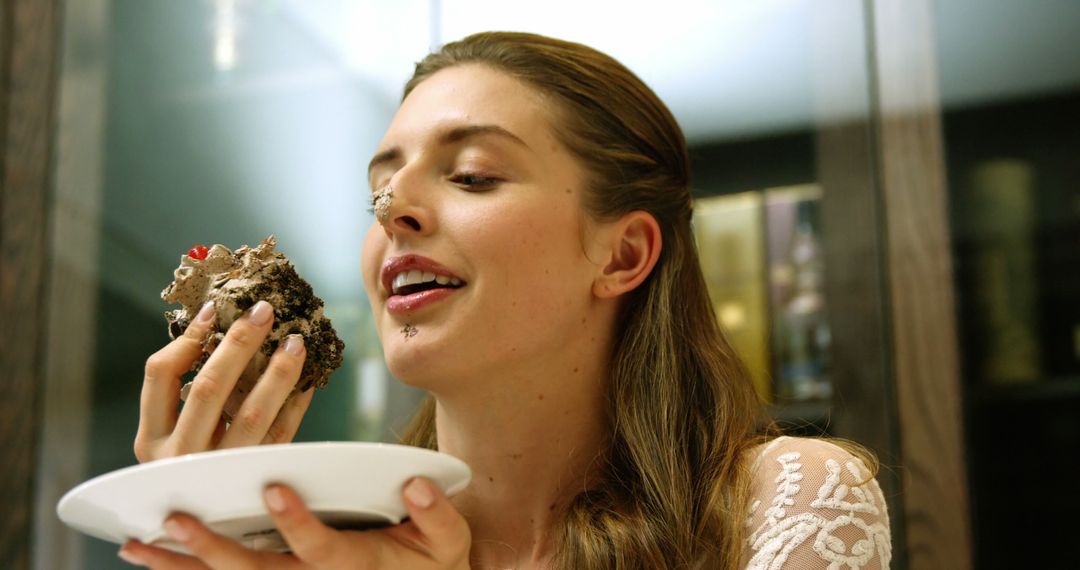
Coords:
pixel 415 281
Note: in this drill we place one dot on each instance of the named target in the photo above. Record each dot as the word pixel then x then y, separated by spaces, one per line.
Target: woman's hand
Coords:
pixel 262 418
pixel 436 536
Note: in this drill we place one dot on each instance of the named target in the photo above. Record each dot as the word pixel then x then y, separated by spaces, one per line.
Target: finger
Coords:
pixel 139 554
pixel 287 423
pixel 218 376
pixel 309 539
pixel 161 383
pixel 263 404
pixel 214 550
pixel 445 532
pixel 219 434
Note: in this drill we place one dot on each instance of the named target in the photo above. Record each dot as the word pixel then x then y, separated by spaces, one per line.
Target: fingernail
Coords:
pixel 419 493
pixel 176 531
pixel 260 314
pixel 205 313
pixel 275 500
pixel 130 557
pixel 294 344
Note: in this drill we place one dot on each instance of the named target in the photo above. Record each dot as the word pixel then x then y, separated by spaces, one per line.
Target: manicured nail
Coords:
pixel 130 557
pixel 275 500
pixel 294 344
pixel 419 493
pixel 260 314
pixel 206 313
pixel 177 531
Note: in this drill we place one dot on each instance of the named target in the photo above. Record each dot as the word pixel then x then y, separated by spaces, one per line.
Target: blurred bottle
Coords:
pixel 729 231
pixel 805 335
pixel 1002 222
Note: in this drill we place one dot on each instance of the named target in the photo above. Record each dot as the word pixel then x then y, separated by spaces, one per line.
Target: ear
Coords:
pixel 633 246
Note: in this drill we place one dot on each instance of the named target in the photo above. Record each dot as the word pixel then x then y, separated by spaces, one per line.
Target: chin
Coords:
pixel 415 363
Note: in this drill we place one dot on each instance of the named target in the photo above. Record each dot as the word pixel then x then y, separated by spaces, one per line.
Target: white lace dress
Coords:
pixel 813 506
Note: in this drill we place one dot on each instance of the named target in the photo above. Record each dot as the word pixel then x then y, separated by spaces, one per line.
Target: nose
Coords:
pixel 399 210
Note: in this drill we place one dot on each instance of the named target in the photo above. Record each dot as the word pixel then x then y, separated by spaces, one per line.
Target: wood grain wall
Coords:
pixel 854 246
pixel 71 316
pixel 911 175
pixel 28 49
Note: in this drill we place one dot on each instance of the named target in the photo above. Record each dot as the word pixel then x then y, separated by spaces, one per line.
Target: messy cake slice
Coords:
pixel 236 280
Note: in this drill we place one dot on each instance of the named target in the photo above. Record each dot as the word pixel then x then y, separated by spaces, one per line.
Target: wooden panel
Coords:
pixel 926 358
pixel 29 54
pixel 864 407
pixel 72 274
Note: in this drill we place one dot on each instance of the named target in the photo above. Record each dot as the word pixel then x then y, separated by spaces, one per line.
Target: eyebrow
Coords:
pixel 454 135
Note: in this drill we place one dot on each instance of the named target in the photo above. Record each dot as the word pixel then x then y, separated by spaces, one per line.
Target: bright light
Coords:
pixel 225 52
pixel 225 31
pixel 733 316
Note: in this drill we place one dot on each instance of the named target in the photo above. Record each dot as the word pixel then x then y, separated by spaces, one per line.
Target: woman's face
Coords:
pixel 485 195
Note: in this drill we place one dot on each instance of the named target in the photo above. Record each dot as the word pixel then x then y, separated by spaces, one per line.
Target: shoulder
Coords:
pixel 814 504
pixel 786 450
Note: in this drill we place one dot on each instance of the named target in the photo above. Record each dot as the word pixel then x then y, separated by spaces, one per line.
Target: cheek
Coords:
pixel 517 241
pixel 371 258
pixel 537 259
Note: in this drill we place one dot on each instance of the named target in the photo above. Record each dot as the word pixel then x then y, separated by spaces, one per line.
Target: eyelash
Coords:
pixel 485 183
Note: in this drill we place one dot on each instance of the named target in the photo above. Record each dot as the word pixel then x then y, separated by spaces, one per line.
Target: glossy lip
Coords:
pixel 394 265
pixel 403 305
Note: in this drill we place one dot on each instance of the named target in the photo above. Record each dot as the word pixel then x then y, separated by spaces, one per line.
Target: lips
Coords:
pixel 412 281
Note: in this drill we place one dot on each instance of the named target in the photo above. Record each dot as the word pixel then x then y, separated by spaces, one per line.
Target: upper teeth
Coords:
pixel 415 276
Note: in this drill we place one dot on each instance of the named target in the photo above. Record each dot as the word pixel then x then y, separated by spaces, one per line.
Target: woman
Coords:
pixel 576 366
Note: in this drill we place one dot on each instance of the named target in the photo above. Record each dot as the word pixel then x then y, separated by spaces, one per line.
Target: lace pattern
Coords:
pixel 824 510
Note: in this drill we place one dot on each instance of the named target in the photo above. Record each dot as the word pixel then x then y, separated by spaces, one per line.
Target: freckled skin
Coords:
pixel 504 242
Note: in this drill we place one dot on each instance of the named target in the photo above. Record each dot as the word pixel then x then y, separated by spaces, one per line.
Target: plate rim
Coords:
pixel 250 450
pixel 454 463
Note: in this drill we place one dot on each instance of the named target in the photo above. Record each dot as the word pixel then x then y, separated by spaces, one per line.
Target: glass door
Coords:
pixel 1010 80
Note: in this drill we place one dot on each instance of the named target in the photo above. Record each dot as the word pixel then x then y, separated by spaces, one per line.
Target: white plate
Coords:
pixel 347 485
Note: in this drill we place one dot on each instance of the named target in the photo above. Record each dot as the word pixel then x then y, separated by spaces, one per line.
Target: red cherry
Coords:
pixel 198 252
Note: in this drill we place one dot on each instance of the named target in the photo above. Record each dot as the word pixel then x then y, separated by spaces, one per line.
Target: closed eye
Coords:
pixel 474 181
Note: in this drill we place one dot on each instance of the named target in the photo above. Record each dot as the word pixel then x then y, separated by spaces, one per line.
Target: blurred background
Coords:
pixel 888 212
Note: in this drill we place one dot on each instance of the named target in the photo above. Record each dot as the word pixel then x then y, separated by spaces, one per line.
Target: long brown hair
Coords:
pixel 680 402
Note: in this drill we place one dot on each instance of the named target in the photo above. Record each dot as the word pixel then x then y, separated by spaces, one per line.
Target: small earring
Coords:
pixel 381 201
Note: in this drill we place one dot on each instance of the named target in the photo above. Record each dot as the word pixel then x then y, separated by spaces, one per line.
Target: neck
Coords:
pixel 532 448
